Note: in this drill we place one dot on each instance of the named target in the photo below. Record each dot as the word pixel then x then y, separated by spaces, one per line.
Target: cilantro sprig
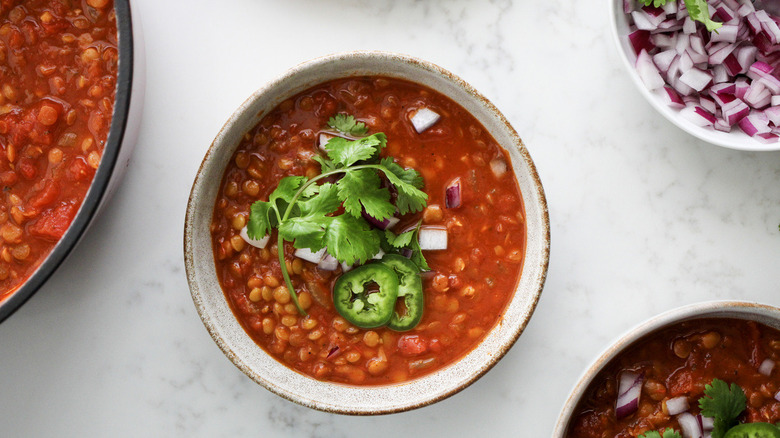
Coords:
pixel 724 404
pixel 697 10
pixel 347 124
pixel 304 211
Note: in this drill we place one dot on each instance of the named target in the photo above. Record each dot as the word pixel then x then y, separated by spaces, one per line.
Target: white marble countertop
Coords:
pixel 645 218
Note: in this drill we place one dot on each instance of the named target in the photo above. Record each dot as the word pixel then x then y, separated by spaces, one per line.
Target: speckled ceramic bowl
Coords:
pixel 736 139
pixel 265 370
pixel 764 314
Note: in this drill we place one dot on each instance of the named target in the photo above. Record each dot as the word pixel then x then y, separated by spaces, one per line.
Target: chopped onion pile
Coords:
pixel 716 79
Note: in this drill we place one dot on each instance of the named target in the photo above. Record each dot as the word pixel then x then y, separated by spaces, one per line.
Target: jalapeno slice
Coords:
pixel 360 306
pixel 409 289
pixel 753 430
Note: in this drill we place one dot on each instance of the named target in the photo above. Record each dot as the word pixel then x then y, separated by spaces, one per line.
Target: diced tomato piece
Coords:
pixel 55 221
pixel 411 345
pixel 79 170
pixel 47 195
pixel 679 383
pixel 27 168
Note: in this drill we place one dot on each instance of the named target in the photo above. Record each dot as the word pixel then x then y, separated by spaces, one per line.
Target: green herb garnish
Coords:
pixel 407 241
pixel 304 212
pixel 724 404
pixel 348 125
pixel 697 10
pixel 668 433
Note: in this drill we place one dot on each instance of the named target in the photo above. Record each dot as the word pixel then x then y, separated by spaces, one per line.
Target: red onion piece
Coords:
pixel 424 118
pixel 333 351
pixel 257 243
pixel 452 194
pixel 677 405
pixel 648 72
pixel 766 367
pixel 777 396
pixel 707 423
pixel 385 224
pixel 629 391
pixel 328 263
pixel 689 425
pixel 498 166
pixel 309 256
pixel 640 40
pixel 433 238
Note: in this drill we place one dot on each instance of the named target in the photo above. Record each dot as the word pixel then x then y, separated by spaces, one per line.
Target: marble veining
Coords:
pixel 644 218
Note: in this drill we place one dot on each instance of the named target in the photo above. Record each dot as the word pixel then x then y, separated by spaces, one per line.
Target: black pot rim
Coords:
pixel 100 184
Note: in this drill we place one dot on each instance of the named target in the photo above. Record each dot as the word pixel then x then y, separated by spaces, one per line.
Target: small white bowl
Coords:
pixel 763 314
pixel 257 364
pixel 736 139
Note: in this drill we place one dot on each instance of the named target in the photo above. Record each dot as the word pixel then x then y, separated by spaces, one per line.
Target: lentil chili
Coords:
pixel 58 68
pixel 680 361
pixel 469 284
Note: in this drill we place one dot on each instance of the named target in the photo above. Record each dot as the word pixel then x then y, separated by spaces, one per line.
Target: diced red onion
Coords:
pixel 386 224
pixel 777 396
pixel 629 391
pixel 345 267
pixel 713 78
pixel 689 425
pixel 379 255
pixel 672 98
pixel 324 138
pixel 707 423
pixel 433 238
pixel 424 118
pixel 309 256
pixel 257 243
pixel 696 79
pixel 677 405
pixel 498 166
pixel 648 72
pixel 333 351
pixel 452 195
pixel 766 367
pixel 328 263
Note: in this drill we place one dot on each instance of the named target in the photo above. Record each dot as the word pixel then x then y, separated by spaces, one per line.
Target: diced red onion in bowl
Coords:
pixel 766 367
pixel 309 255
pixel 721 79
pixel 433 238
pixel 689 425
pixel 677 405
pixel 452 195
pixel 629 391
pixel 328 263
pixel 424 118
pixel 257 243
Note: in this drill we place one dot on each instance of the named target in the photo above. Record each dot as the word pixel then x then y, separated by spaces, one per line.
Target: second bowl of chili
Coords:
pixel 334 343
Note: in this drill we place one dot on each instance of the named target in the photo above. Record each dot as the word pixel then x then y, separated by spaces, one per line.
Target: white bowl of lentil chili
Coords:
pixel 653 377
pixel 69 118
pixel 321 360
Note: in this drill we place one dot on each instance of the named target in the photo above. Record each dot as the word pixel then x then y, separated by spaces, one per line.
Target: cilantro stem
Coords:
pixel 288 211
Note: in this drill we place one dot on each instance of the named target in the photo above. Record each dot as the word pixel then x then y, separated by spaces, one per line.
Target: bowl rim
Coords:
pixel 722 139
pixel 748 310
pixel 99 187
pixel 538 193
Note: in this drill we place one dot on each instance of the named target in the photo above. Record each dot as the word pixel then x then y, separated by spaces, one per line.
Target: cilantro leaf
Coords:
pixel 261 219
pixel 399 241
pixel 724 404
pixel 700 11
pixel 654 3
pixel 285 192
pixel 347 124
pixel 668 433
pixel 351 239
pixel 306 232
pixel 325 200
pixel 344 153
pixel 362 187
pixel 408 182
